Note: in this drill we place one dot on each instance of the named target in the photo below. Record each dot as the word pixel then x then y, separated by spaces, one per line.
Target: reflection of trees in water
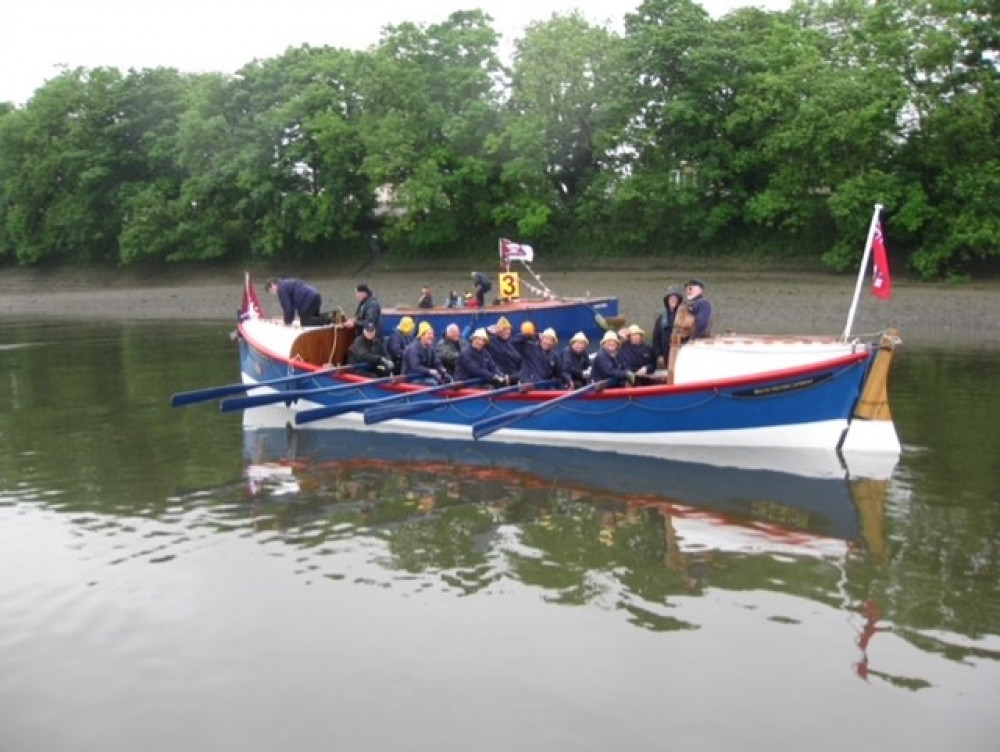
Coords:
pixel 473 526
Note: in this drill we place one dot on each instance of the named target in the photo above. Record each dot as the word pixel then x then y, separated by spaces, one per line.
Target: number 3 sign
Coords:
pixel 510 285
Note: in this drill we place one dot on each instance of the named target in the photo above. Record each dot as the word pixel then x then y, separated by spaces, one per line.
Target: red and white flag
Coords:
pixel 250 308
pixel 511 251
pixel 881 279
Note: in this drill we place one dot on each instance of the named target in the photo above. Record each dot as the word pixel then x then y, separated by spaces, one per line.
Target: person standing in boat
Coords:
pixel 540 361
pixel 426 298
pixel 297 299
pixel 502 349
pixel 449 347
pixel 608 363
pixel 475 362
pixel 576 359
pixel 700 308
pixel 369 309
pixel 421 360
pixel 368 348
pixel 483 286
pixel 637 356
pixel 663 327
pixel 454 300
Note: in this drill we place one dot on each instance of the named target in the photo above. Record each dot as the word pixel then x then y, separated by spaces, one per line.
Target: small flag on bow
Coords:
pixel 881 279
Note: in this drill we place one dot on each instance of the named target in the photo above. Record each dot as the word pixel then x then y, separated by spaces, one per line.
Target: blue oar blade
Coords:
pixel 489 425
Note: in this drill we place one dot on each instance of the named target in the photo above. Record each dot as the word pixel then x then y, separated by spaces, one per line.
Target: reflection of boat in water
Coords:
pixel 726 501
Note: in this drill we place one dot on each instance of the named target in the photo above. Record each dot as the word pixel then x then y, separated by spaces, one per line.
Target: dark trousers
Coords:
pixel 309 314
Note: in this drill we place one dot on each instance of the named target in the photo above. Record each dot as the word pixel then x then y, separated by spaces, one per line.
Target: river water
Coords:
pixel 173 579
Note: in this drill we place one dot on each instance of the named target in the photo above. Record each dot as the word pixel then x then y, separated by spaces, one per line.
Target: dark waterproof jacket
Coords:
pixel 538 364
pixel 663 327
pixel 395 344
pixel 369 309
pixel 477 364
pixel 505 355
pixel 371 351
pixel 576 365
pixel 635 357
pixel 297 297
pixel 608 366
pixel 423 362
pixel 448 351
pixel 704 315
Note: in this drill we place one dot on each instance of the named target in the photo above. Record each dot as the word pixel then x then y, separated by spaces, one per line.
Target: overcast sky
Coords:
pixel 38 36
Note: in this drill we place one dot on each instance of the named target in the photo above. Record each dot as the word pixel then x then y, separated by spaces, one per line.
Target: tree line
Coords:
pixel 762 133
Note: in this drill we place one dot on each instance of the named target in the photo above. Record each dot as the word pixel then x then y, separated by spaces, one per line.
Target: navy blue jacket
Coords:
pixel 608 366
pixel 395 345
pixel 541 365
pixel 505 355
pixel 704 315
pixel 477 364
pixel 635 357
pixel 575 364
pixel 297 297
pixel 423 361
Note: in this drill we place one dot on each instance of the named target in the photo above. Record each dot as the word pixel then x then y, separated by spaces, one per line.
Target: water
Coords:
pixel 170 580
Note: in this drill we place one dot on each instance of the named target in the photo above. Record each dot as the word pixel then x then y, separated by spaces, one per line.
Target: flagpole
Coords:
pixel 861 271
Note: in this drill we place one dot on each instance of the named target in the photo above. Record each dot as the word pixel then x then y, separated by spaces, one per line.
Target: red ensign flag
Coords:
pixel 881 279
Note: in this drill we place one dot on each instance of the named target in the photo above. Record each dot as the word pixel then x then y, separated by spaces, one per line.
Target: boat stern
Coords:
pixel 871 429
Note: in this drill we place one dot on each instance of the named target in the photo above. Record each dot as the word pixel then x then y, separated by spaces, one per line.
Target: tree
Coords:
pixel 300 169
pixel 552 125
pixel 428 111
pixel 63 161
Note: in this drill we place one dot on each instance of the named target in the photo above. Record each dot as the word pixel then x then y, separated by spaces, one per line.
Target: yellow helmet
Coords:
pixel 424 328
pixel 405 325
pixel 503 323
pixel 528 328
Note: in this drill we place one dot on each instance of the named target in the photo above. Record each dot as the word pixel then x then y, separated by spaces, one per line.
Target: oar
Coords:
pixel 489 425
pixel 389 412
pixel 214 392
pixel 599 318
pixel 255 400
pixel 318 413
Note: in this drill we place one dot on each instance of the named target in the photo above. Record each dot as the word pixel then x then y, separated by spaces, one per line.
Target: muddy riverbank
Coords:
pixel 746 301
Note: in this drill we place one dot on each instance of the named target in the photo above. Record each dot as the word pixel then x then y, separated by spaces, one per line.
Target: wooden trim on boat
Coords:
pixel 325 346
pixel 874 401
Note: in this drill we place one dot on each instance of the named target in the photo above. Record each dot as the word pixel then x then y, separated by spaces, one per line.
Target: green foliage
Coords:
pixel 760 133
